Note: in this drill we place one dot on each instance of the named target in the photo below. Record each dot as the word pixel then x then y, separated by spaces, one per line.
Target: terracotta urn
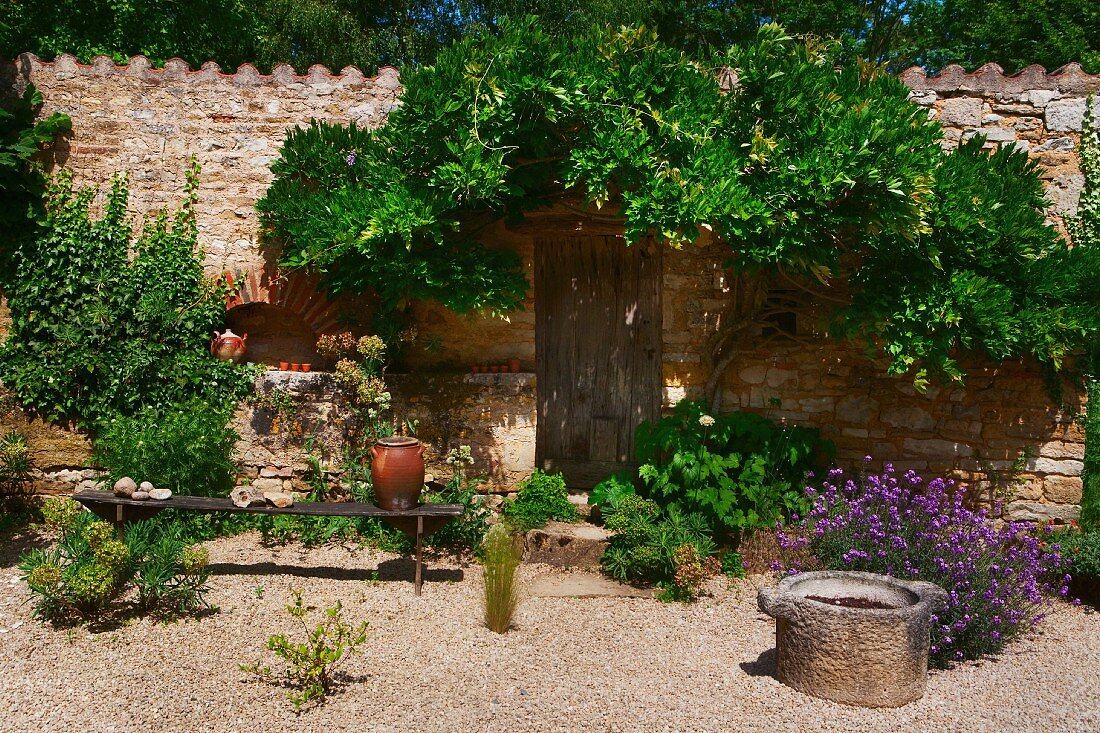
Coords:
pixel 228 346
pixel 397 472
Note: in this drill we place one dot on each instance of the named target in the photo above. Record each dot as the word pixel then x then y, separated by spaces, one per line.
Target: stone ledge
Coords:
pixel 566 545
pixel 178 69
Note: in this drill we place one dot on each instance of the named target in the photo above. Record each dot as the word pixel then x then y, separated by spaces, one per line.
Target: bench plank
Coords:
pixel 410 521
pixel 311 508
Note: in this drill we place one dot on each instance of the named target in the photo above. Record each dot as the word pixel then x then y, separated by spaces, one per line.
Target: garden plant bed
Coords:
pixel 586 664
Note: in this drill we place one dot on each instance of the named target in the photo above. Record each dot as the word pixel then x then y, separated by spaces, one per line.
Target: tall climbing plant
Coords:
pixel 811 170
pixel 1085 232
pixel 106 323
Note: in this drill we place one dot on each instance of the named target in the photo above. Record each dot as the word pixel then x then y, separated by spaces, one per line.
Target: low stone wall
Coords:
pixel 492 413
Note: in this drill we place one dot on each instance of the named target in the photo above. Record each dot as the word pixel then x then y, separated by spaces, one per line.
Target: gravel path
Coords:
pixel 572 664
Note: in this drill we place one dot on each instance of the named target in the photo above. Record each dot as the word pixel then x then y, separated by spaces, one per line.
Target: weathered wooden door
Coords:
pixel 598 352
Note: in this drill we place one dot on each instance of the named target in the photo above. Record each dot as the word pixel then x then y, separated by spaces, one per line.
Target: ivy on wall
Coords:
pixel 1085 231
pixel 22 184
pixel 97 332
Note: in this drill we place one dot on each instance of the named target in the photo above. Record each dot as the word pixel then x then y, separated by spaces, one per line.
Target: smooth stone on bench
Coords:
pixel 246 496
pixel 146 487
pixel 125 487
pixel 140 495
pixel 279 499
pixel 160 494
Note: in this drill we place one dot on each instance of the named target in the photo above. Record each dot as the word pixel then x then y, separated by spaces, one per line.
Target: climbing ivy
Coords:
pixel 22 184
pixel 97 332
pixel 1085 231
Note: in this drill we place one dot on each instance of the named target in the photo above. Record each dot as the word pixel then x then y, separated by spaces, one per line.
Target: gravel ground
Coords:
pixel 571 664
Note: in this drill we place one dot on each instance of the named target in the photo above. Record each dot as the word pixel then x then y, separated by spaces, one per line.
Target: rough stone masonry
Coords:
pixel 1000 431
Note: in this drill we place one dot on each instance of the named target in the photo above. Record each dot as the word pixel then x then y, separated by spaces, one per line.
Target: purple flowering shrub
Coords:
pixel 1000 580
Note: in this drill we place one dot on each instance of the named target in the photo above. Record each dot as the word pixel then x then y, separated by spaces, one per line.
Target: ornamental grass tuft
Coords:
pixel 1001 579
pixel 500 559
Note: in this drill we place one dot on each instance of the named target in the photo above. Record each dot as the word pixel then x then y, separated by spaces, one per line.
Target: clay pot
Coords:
pixel 475 369
pixel 513 366
pixel 494 368
pixel 228 346
pixel 294 367
pixel 284 365
pixel 306 367
pixel 397 472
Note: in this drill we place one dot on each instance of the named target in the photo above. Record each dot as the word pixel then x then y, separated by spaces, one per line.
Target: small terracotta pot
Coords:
pixel 513 366
pixel 306 367
pixel 295 367
pixel 397 472
pixel 475 369
pixel 284 365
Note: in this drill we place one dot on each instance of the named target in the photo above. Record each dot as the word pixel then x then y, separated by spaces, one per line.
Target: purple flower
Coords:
pixel 352 157
pixel 1000 579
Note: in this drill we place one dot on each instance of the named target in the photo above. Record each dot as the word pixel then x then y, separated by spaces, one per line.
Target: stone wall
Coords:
pixel 149 122
pixel 999 431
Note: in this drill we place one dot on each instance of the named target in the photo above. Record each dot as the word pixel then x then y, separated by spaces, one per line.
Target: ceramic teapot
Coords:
pixel 228 346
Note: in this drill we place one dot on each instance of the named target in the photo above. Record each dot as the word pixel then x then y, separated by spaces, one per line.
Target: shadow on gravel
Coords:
pixel 762 666
pixel 14 543
pixel 396 570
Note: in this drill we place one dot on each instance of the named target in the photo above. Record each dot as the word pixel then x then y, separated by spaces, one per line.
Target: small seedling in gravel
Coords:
pixel 260 590
pixel 311 663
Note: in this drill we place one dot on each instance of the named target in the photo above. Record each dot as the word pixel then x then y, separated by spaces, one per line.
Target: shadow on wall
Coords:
pixel 1002 431
pixel 492 413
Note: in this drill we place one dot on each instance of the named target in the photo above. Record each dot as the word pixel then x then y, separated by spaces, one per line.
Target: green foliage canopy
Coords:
pixel 1013 33
pixel 823 171
pixel 95 333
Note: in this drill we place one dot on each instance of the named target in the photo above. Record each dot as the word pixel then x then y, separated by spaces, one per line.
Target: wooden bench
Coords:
pixel 418 522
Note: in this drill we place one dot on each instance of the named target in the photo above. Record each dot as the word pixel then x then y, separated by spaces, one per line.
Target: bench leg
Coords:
pixel 120 520
pixel 419 553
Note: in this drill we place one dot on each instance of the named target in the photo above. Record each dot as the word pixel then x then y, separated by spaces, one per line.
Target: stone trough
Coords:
pixel 854 638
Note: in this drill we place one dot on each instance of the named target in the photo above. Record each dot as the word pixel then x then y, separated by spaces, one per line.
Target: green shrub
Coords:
pixel 16 461
pixel 611 491
pixel 1082 550
pixel 541 498
pixel 97 332
pixel 79 578
pixel 691 571
pixel 466 533
pixel 311 663
pixel 89 569
pixel 739 470
pixel 169 573
pixel 813 168
pixel 188 449
pixel 60 513
pixel 500 557
pixel 646 540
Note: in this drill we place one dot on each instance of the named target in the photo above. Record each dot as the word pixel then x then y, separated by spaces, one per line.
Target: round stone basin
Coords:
pixel 854 638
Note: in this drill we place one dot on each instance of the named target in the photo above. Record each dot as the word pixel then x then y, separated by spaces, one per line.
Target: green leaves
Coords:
pixel 21 182
pixel 95 333
pixel 820 169
pixel 740 471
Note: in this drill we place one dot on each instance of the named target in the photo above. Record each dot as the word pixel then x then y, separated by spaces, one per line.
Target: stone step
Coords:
pixel 566 545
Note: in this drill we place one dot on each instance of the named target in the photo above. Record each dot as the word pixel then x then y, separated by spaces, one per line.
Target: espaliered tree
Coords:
pixel 820 174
